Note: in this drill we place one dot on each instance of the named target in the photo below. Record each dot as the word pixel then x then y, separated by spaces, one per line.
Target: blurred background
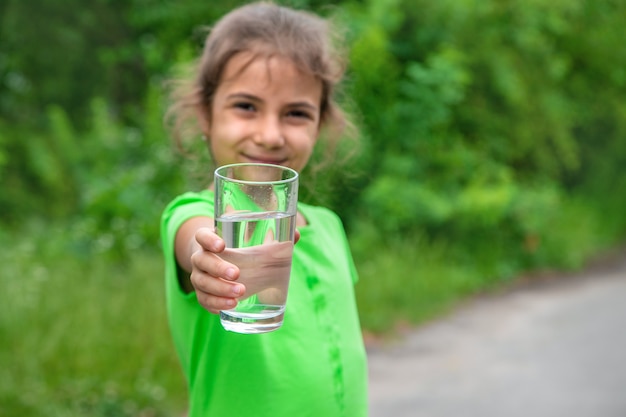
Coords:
pixel 493 143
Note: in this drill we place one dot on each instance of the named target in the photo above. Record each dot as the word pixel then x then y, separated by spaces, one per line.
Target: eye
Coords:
pixel 300 114
pixel 245 106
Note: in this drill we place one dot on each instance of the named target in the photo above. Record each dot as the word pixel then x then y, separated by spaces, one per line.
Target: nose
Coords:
pixel 269 133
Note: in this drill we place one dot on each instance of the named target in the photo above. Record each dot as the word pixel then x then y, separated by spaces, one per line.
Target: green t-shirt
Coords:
pixel 314 365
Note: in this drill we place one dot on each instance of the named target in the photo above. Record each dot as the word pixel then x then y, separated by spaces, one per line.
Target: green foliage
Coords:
pixel 56 53
pixel 466 109
pixel 111 181
pixel 485 125
pixel 493 117
pixel 478 119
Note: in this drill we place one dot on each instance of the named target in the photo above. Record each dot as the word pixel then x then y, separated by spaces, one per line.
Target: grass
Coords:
pixel 409 282
pixel 84 337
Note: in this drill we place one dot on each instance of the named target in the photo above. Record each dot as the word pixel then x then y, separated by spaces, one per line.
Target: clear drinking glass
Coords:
pixel 255 214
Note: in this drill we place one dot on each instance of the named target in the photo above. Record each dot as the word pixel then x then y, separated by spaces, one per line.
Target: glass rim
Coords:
pixel 221 176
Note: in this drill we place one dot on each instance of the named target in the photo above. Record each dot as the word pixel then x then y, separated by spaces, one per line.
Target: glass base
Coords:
pixel 252 323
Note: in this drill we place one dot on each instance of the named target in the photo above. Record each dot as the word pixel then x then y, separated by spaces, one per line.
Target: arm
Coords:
pixel 197 250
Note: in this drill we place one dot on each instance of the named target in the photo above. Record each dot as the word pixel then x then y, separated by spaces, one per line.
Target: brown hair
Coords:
pixel 265 29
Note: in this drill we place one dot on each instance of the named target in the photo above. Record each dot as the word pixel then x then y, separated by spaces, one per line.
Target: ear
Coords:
pixel 203 114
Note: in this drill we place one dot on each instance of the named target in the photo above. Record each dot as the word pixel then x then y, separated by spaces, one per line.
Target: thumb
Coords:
pixel 209 241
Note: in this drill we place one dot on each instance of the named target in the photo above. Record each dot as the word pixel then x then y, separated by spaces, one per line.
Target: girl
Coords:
pixel 263 92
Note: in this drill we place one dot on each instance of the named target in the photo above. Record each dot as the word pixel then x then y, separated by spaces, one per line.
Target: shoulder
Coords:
pixel 185 206
pixel 188 201
pixel 191 197
pixel 319 215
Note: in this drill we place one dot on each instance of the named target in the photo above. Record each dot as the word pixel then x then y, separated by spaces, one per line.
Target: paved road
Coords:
pixel 553 348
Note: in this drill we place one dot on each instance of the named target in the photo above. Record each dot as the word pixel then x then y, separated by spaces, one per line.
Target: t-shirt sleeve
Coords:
pixel 353 271
pixel 175 214
pixel 332 235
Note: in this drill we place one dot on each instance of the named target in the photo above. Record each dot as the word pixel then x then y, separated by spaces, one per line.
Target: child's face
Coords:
pixel 267 112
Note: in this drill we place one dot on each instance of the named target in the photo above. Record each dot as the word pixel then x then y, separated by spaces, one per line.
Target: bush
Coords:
pixel 486 116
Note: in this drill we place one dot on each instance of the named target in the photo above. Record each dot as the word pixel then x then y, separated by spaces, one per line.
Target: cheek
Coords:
pixel 225 132
pixel 305 146
pixel 221 144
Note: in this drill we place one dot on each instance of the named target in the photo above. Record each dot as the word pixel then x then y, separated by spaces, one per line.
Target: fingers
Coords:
pixel 213 265
pixel 214 278
pixel 296 236
pixel 215 294
pixel 211 276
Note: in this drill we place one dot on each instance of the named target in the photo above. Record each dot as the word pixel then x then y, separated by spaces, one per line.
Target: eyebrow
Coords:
pixel 242 96
pixel 251 97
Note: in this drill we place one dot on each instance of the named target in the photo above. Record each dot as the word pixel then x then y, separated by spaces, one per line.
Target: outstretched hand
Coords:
pixel 213 278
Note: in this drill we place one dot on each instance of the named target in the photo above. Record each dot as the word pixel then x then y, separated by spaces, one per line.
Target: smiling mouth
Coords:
pixel 265 160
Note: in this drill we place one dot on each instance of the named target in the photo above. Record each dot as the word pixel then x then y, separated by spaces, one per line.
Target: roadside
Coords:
pixel 548 345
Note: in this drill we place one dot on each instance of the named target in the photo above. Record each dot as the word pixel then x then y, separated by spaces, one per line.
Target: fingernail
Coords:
pixel 229 274
pixel 237 290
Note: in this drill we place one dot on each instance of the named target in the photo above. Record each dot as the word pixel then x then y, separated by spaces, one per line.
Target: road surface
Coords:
pixel 549 348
